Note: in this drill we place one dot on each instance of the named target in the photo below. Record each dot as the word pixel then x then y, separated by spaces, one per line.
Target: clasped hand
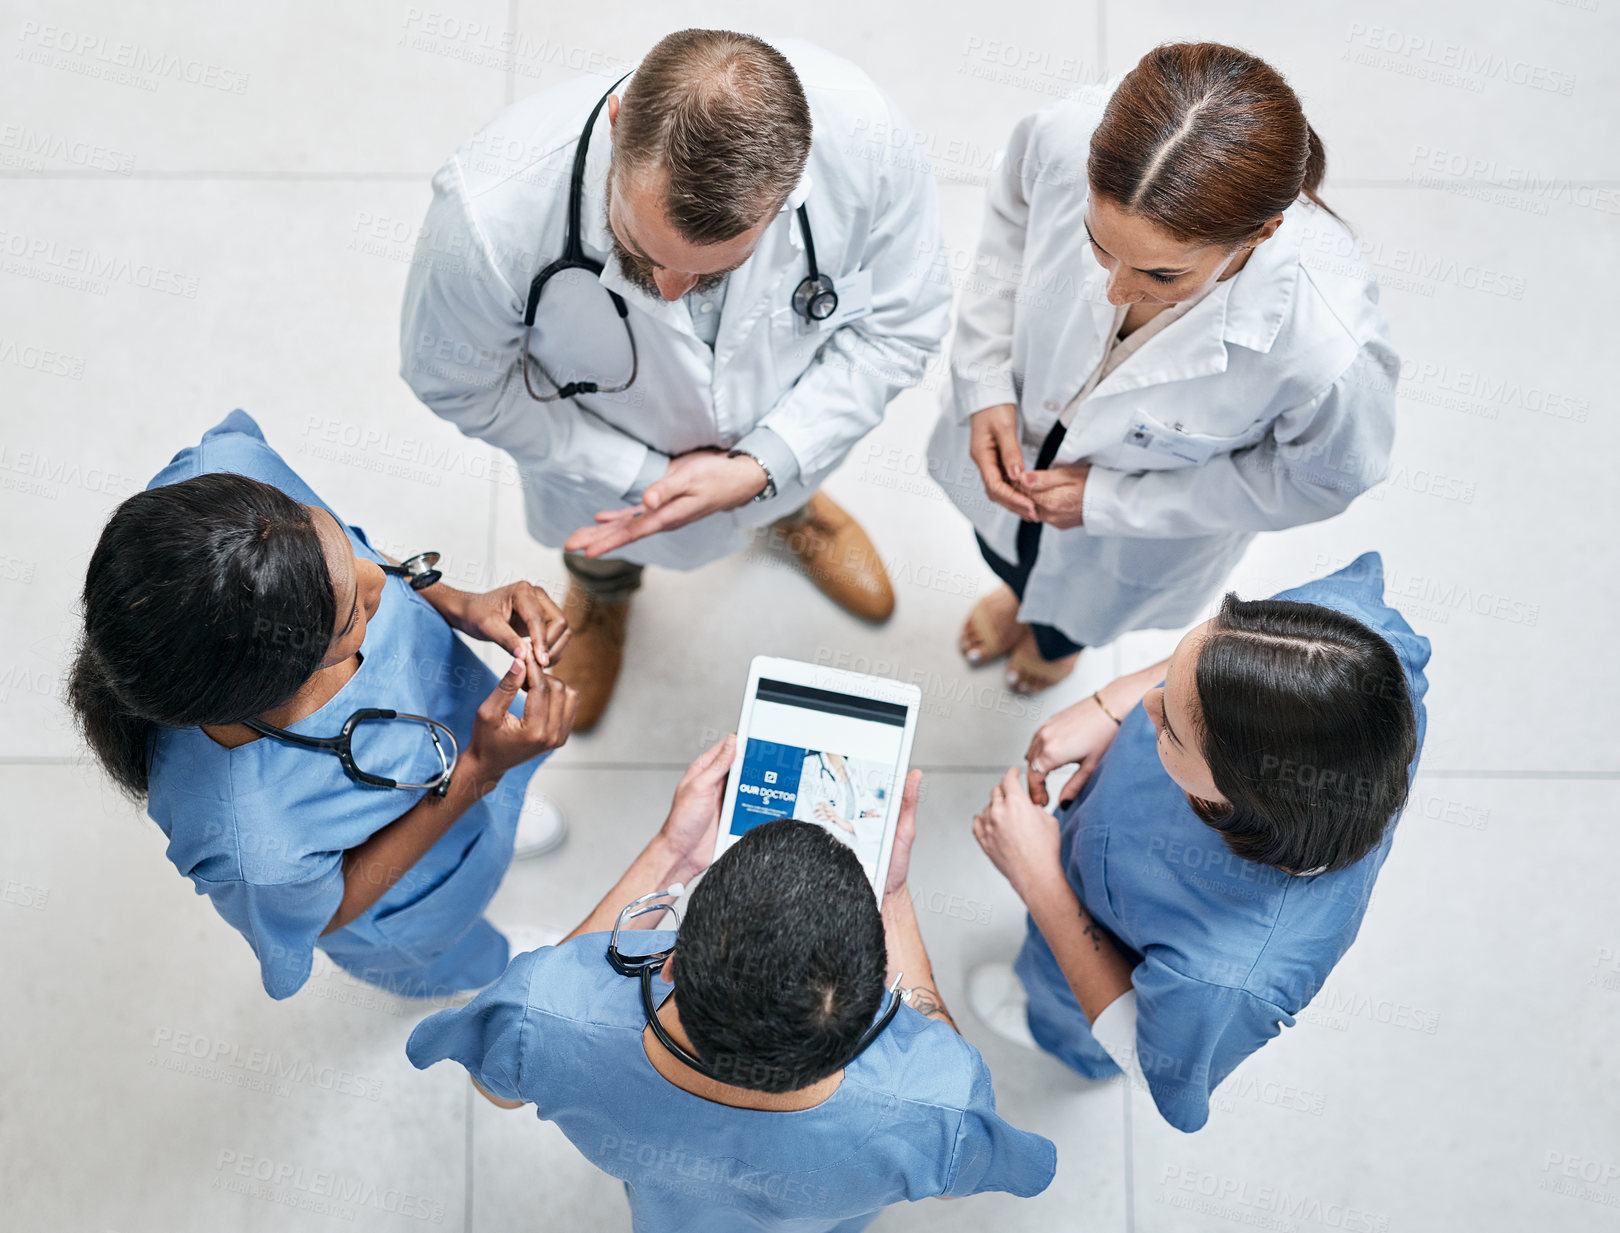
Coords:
pixel 1055 496
pixel 506 616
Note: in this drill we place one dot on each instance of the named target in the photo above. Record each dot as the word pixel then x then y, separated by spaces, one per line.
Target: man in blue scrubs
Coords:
pixel 769 1090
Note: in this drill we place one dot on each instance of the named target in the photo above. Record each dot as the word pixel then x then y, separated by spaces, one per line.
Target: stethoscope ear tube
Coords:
pixel 815 298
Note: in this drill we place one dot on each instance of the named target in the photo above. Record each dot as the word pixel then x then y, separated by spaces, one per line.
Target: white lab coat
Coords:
pixel 798 398
pixel 821 784
pixel 1271 403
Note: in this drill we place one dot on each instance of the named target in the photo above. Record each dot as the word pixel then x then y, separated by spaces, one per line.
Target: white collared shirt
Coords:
pixel 1117 350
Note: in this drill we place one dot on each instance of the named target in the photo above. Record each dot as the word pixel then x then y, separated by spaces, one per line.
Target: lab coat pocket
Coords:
pixel 1150 444
pixel 794 345
pixel 436 917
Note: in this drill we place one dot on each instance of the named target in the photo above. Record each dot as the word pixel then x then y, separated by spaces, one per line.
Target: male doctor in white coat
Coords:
pixel 746 303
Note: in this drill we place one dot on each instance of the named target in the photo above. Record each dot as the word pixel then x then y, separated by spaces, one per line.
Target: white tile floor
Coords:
pixel 256 202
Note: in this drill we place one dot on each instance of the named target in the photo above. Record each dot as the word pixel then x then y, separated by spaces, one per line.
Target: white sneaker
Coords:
pixel 997 996
pixel 541 827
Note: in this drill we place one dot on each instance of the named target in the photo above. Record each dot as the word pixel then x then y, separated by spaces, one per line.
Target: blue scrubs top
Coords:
pixel 1227 952
pixel 913 1116
pixel 261 829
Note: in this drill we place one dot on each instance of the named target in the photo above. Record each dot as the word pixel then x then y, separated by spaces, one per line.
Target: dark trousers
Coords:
pixel 1048 641
pixel 1052 644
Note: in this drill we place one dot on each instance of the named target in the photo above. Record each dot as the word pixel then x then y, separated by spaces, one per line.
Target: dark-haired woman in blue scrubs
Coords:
pixel 331 765
pixel 1214 854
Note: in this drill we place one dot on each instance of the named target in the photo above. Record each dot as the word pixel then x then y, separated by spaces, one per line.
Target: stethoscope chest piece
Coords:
pixel 814 298
pixel 417 570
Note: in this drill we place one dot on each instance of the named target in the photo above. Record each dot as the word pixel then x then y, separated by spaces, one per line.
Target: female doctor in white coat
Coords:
pixel 1155 360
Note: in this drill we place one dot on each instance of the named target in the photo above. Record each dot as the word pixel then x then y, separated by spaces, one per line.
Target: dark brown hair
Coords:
pixel 1206 141
pixel 1308 729
pixel 724 116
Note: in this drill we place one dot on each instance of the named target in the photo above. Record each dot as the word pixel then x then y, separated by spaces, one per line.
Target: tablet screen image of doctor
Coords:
pixel 846 795
pixel 821 756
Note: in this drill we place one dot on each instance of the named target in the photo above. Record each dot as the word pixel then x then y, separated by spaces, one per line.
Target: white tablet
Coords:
pixel 823 746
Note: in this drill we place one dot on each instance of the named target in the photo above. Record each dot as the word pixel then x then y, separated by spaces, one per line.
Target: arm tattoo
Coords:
pixel 925 1000
pixel 1093 931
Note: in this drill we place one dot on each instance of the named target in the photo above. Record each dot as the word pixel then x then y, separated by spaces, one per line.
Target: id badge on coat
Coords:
pixel 854 302
pixel 1156 439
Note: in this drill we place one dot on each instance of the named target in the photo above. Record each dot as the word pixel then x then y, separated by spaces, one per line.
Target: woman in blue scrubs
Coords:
pixel 1215 851
pixel 230 618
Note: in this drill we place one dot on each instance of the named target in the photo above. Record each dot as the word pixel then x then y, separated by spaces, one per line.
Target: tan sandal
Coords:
pixel 988 642
pixel 1028 673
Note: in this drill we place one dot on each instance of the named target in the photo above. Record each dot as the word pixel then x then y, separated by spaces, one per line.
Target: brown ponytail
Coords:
pixel 1206 141
pixel 1315 168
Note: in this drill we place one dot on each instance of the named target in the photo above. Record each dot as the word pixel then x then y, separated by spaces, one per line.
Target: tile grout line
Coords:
pixel 1130 1162
pixel 467 1167
pixel 937 768
pixel 414 177
pixel 254 176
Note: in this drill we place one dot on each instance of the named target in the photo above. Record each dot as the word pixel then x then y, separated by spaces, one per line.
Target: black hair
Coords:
pixel 779 966
pixel 206 602
pixel 1309 732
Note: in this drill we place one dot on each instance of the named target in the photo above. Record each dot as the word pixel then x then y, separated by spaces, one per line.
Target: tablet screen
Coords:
pixel 823 757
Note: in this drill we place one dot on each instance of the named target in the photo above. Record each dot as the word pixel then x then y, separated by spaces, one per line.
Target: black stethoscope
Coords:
pixel 343 746
pixel 815 299
pixel 419 572
pixel 644 967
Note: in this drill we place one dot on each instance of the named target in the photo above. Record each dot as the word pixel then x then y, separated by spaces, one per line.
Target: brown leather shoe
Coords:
pixel 591 661
pixel 840 559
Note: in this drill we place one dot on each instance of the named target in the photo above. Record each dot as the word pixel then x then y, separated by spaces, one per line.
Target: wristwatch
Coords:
pixel 767 492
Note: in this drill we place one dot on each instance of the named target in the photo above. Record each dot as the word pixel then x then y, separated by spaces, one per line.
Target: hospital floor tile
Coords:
pixel 1444 89
pixel 1457 1070
pixel 199 213
pixel 1491 526
pixel 960 76
pixel 151 1084
pixel 300 89
pixel 274 297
